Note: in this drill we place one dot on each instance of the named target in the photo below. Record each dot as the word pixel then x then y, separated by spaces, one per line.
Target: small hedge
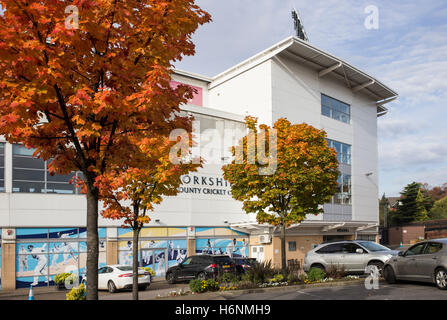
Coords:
pixel 316 274
pixel 60 278
pixel 200 286
pixel 77 293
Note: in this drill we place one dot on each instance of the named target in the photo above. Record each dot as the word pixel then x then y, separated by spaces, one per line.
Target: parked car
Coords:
pixel 354 256
pixel 116 277
pixel 243 264
pixel 425 261
pixel 200 267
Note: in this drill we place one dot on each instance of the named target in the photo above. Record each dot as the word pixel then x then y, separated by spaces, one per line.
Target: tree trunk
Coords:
pixel 283 247
pixel 92 243
pixel 136 234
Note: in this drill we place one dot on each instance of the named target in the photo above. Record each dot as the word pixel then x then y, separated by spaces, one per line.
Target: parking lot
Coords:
pixel 356 291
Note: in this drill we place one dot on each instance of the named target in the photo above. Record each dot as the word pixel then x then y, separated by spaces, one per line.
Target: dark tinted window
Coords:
pixel 222 259
pixel 433 247
pixel 350 248
pixel 292 245
pixel 417 249
pixel 332 248
pixel 125 268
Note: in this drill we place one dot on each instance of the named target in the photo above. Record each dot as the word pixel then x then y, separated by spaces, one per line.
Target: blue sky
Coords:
pixel 408 53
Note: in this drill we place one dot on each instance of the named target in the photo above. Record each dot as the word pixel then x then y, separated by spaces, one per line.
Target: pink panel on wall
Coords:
pixel 198 96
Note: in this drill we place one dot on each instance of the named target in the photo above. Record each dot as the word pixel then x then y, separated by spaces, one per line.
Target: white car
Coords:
pixel 115 277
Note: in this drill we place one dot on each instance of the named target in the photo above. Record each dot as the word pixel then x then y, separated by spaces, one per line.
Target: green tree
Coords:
pixel 413 205
pixel 305 176
pixel 439 210
pixel 421 212
pixel 384 205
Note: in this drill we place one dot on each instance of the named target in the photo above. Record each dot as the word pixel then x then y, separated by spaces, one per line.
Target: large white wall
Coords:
pixel 249 93
pixel 296 95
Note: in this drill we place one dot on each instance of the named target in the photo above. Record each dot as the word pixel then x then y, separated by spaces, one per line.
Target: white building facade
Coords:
pixel 43 218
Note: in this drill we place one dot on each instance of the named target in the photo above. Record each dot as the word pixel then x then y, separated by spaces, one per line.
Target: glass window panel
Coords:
pixel 18 149
pixel 337 115
pixel 60 188
pixel 61 178
pixel 33 187
pixel 344 117
pixel 28 163
pixel 326 111
pixel 2 173
pixel 325 100
pixel 337 146
pixel 28 175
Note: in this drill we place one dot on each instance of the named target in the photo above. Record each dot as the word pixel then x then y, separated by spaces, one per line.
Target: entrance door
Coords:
pixel 257 252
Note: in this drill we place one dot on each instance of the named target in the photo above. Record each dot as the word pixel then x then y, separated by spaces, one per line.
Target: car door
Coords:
pixel 186 268
pixel 407 264
pixel 332 254
pixel 428 261
pixel 352 260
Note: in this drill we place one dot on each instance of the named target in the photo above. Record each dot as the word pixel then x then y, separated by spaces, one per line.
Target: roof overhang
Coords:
pixel 323 62
pixel 318 226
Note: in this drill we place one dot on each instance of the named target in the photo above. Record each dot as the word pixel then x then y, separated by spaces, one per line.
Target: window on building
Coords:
pixel 343 151
pixel 2 167
pixel 31 174
pixel 292 245
pixel 343 195
pixel 335 109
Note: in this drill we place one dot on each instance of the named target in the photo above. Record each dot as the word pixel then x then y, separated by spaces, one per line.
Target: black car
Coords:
pixel 200 267
pixel 243 264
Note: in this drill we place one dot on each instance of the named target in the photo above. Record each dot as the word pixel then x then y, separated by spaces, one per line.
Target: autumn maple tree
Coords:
pixel 129 195
pixel 82 95
pixel 304 178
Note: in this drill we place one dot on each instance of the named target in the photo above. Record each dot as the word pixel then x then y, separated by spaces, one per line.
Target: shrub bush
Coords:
pixel 77 293
pixel 335 271
pixel 60 278
pixel 150 270
pixel 316 274
pixel 228 278
pixel 277 278
pixel 260 272
pixel 199 286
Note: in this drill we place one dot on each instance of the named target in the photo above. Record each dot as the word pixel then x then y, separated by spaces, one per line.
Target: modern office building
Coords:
pixel 43 217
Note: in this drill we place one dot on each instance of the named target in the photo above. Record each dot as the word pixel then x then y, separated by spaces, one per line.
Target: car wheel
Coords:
pixel 388 274
pixel 441 278
pixel 379 266
pixel 201 276
pixel 111 286
pixel 318 266
pixel 142 288
pixel 171 278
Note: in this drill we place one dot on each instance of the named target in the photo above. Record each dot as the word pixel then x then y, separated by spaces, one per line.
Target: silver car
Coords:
pixel 425 261
pixel 352 256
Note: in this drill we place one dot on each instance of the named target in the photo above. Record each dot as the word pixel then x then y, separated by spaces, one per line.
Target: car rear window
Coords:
pixel 125 268
pixel 222 260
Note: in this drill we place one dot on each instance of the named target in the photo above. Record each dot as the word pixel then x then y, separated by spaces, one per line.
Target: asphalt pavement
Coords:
pixel 357 291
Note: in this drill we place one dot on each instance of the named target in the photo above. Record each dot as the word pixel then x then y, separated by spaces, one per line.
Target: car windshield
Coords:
pixel 125 268
pixel 372 246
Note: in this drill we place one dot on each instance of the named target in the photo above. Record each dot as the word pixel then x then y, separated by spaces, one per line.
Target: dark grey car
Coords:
pixel 425 261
